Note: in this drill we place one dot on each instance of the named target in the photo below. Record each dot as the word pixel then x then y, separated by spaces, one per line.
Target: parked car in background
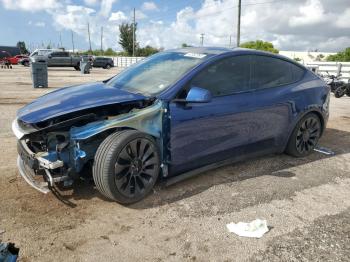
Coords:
pixel 25 61
pixel 58 59
pixel 173 115
pixel 104 62
pixel 15 59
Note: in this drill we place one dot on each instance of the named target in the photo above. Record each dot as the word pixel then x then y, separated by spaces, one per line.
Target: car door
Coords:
pixel 53 59
pixel 96 62
pixel 65 59
pixel 240 120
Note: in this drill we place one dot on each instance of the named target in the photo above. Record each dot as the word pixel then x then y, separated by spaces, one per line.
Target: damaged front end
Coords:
pixel 59 149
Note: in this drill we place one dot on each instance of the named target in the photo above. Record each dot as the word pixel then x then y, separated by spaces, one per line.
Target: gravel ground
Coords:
pixel 306 202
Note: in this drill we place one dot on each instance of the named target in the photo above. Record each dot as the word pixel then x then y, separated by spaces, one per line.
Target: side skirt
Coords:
pixel 172 180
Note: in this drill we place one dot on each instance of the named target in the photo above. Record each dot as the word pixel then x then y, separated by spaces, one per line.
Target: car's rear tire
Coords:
pixel 126 166
pixel 305 136
pixel 108 66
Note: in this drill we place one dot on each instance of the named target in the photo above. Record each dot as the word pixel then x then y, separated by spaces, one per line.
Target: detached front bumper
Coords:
pixel 29 163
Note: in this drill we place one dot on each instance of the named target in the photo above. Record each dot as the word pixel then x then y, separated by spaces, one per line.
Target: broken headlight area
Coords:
pixel 49 158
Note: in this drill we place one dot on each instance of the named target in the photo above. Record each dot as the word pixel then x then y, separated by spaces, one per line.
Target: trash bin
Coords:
pixel 85 65
pixel 39 74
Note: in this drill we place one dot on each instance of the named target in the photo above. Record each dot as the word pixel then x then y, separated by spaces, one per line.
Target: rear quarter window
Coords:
pixel 273 72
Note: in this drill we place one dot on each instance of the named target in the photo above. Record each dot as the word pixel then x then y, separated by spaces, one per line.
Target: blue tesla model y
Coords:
pixel 170 116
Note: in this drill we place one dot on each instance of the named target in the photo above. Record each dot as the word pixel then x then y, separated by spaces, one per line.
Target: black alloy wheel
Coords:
pixel 136 167
pixel 308 135
pixel 305 136
pixel 126 166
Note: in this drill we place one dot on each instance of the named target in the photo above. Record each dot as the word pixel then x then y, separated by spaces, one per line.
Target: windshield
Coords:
pixel 155 74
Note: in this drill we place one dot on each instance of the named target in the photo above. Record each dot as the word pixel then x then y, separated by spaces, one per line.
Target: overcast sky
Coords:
pixel 298 25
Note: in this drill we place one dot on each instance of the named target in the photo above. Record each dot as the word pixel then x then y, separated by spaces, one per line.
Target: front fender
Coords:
pixel 147 120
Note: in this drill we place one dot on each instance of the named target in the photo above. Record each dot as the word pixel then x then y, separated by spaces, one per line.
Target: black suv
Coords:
pixel 104 62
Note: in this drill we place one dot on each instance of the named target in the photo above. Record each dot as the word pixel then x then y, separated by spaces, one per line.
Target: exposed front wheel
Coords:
pixel 305 136
pixel 126 166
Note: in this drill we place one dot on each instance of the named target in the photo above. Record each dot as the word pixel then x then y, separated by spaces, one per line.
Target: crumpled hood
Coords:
pixel 72 99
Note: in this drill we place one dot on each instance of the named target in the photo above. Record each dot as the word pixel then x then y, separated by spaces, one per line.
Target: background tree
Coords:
pixel 185 45
pixel 22 47
pixel 125 37
pixel 147 51
pixel 343 56
pixel 260 45
pixel 109 52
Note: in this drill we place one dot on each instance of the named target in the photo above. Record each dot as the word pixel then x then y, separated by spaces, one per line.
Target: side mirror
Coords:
pixel 198 95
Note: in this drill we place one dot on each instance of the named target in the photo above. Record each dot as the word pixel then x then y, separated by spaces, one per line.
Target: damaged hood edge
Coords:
pixel 74 99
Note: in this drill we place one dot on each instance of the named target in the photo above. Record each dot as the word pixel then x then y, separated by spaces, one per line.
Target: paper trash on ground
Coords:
pixel 257 228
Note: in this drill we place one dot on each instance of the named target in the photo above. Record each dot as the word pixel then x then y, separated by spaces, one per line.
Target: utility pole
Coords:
pixel 72 40
pixel 89 37
pixel 230 41
pixel 101 39
pixel 239 23
pixel 133 35
pixel 61 40
pixel 202 39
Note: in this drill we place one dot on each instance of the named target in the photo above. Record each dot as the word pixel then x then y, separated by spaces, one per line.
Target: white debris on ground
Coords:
pixel 324 150
pixel 257 228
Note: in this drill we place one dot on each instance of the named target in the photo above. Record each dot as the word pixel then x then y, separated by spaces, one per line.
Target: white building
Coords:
pixel 305 56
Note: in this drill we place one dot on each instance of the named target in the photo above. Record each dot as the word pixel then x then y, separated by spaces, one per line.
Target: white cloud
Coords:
pixel 149 6
pixel 106 7
pixel 30 5
pixel 343 20
pixel 139 15
pixel 76 18
pixel 290 25
pixel 310 13
pixel 40 24
pixel 91 2
pixel 117 16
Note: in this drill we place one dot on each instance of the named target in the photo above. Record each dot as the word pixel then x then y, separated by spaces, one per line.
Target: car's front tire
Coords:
pixel 305 136
pixel 126 166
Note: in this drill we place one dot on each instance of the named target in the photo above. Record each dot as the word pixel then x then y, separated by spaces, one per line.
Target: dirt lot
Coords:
pixel 305 201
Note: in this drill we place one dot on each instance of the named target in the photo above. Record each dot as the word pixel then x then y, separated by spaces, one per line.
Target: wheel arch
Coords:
pixel 315 111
